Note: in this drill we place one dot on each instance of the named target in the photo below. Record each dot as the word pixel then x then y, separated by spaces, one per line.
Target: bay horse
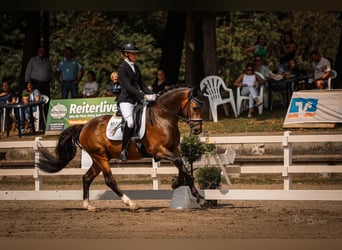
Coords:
pixel 160 141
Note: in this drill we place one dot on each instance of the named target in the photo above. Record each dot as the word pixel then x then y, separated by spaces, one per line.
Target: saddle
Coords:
pixel 116 125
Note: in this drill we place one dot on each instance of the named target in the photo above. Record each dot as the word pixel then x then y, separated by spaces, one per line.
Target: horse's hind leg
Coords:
pixel 88 178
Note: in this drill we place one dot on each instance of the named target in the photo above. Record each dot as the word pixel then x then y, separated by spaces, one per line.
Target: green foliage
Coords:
pixel 209 177
pixel 192 148
pixel 97 36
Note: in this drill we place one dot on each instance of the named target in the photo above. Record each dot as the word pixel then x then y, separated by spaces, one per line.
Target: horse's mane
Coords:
pixel 172 94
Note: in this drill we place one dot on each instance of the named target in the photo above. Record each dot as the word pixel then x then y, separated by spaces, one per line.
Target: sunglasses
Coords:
pixel 249 69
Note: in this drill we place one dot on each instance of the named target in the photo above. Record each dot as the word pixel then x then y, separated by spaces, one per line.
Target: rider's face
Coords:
pixel 132 56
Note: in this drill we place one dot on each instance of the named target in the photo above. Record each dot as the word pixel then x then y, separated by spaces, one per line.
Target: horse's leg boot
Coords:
pixel 125 142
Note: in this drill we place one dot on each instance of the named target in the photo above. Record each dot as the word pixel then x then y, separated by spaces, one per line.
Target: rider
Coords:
pixel 133 90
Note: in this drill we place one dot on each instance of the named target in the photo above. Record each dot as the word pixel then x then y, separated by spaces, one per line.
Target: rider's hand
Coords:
pixel 150 98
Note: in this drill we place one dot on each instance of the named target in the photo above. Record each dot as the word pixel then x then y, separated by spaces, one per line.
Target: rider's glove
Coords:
pixel 150 98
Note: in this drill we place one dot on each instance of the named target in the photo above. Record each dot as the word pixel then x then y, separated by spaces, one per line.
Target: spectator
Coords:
pixel 293 68
pixel 249 82
pixel 161 84
pixel 114 88
pixel 260 48
pixel 286 51
pixel 321 67
pixel 39 71
pixel 30 94
pixel 261 67
pixel 69 73
pixel 7 95
pixel 265 72
pixel 91 88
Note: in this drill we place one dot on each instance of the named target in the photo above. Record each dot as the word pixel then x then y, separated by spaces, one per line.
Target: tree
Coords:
pixel 31 43
pixel 172 45
pixel 193 49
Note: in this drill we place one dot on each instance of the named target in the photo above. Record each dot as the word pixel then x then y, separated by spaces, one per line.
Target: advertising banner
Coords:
pixel 315 106
pixel 67 112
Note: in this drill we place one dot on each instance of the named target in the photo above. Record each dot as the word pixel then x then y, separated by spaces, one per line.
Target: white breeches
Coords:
pixel 127 113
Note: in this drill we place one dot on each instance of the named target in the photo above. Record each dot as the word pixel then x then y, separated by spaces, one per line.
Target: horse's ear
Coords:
pixel 196 92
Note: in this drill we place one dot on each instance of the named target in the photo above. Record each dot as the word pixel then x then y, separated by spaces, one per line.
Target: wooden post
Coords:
pixel 287 160
pixel 36 177
pixel 154 175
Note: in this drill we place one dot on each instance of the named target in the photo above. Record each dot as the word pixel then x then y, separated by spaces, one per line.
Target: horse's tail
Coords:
pixel 65 151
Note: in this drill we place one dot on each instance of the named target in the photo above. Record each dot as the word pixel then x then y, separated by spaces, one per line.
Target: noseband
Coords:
pixel 192 122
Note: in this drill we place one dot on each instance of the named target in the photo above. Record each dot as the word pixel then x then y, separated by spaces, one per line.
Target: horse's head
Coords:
pixel 193 111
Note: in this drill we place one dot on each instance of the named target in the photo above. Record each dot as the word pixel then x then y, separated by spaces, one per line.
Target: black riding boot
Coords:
pixel 128 132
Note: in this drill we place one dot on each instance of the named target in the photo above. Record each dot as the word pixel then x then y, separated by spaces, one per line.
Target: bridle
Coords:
pixel 192 122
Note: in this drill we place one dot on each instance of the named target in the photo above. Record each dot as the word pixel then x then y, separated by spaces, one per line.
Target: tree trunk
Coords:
pixel 209 44
pixel 193 50
pixel 31 43
pixel 172 46
pixel 338 66
pixel 46 33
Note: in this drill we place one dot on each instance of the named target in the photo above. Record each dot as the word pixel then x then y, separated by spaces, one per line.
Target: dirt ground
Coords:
pixel 155 220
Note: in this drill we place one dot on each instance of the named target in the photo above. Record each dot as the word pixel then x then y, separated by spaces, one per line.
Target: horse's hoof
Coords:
pixel 91 208
pixel 134 207
pixel 175 184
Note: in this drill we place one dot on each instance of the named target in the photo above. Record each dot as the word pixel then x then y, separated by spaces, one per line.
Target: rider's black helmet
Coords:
pixel 129 47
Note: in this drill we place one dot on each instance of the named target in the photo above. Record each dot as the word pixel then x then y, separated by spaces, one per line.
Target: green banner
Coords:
pixel 68 112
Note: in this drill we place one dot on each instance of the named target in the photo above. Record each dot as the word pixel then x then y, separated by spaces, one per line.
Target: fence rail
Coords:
pixel 285 170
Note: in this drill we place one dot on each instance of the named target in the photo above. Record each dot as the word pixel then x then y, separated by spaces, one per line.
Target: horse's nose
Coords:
pixel 197 131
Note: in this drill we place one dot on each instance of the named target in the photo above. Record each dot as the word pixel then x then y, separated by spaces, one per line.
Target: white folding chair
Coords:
pixel 333 74
pixel 240 99
pixel 211 87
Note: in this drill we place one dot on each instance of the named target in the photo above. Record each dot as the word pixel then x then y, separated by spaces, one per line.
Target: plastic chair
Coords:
pixel 240 99
pixel 333 74
pixel 211 87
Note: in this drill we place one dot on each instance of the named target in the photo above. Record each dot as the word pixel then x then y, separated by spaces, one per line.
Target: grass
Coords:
pixel 269 121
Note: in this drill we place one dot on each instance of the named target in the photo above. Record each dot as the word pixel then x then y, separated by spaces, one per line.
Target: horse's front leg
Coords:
pixel 183 174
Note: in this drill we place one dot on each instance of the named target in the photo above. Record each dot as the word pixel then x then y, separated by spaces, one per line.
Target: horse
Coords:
pixel 160 141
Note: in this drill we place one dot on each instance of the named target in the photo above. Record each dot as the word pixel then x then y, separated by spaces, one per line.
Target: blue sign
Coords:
pixel 303 106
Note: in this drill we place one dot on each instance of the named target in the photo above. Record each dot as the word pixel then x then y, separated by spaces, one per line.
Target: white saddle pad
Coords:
pixel 114 131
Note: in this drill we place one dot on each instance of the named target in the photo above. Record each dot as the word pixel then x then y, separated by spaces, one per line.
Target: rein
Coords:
pixel 190 121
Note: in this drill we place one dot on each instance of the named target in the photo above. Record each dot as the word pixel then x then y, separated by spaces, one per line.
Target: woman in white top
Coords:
pixel 91 88
pixel 249 82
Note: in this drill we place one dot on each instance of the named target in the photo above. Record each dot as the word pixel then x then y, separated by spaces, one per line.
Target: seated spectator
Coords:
pixel 30 94
pixel 249 82
pixel 91 88
pixel 114 88
pixel 321 67
pixel 293 68
pixel 161 84
pixel 265 72
pixel 6 94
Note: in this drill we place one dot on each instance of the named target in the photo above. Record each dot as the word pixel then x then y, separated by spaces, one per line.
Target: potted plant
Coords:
pixel 209 177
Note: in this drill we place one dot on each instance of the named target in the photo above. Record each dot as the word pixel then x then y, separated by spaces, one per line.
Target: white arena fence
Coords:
pixel 286 169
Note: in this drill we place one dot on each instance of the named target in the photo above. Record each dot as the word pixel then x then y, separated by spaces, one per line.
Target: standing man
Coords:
pixel 133 91
pixel 69 73
pixel 39 71
pixel 321 67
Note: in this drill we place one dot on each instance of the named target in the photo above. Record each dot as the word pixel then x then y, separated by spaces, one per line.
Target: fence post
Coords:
pixel 154 174
pixel 36 177
pixel 287 160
